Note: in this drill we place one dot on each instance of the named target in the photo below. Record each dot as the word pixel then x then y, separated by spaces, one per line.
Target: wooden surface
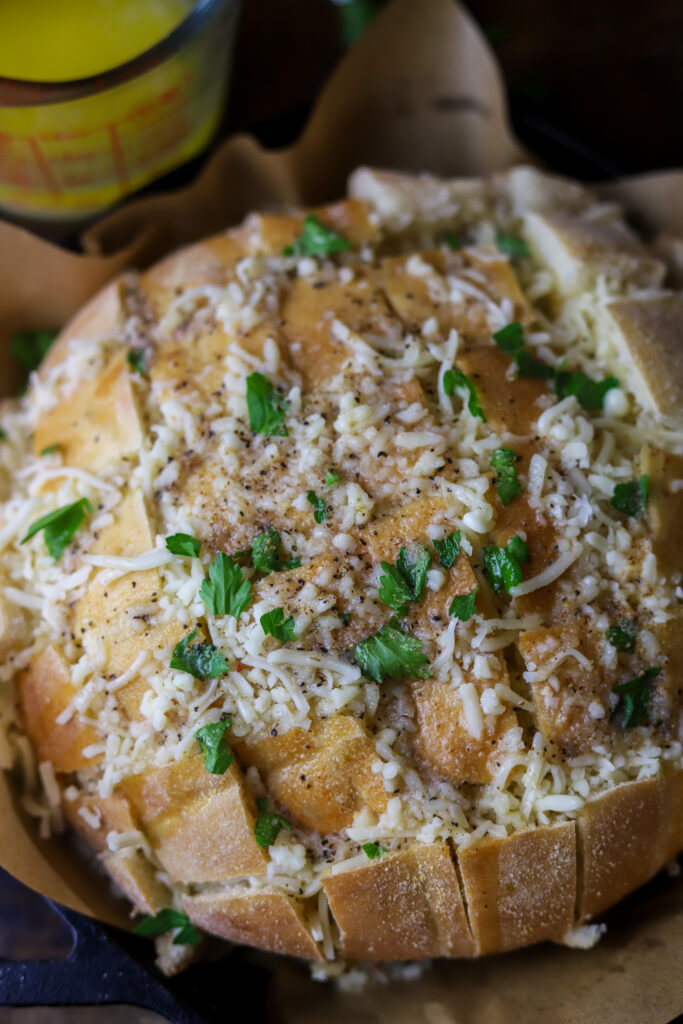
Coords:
pixel 614 73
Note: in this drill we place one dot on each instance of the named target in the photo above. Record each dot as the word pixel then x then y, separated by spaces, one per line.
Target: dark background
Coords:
pixel 610 74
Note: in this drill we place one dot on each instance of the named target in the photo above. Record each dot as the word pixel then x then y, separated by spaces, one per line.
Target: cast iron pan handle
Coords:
pixel 98 971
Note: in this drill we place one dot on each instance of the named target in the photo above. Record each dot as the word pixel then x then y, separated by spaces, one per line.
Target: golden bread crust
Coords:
pixel 181 804
pixel 625 837
pixel 522 889
pixel 403 906
pixel 267 920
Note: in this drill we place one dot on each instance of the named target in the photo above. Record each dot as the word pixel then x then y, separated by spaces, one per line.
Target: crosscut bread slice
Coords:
pixel 404 906
pixel 521 889
pixel 266 919
pixel 340 564
pixel 625 837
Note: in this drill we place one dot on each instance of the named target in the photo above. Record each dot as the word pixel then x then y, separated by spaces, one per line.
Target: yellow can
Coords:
pixel 99 97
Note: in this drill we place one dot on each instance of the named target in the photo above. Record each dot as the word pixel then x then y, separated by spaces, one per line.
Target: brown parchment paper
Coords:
pixel 420 92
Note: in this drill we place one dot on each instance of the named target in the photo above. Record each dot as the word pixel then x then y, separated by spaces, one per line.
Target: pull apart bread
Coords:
pixel 341 575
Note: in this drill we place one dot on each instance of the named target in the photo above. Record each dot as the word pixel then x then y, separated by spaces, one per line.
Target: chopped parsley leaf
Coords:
pixel 137 358
pixel 631 497
pixel 50 449
pixel 462 606
pixel 510 339
pixel 345 617
pixel 372 850
pixel 60 526
pixel 30 347
pixel 331 479
pixel 183 544
pixel 633 706
pixel 394 591
pixel 448 549
pixel 623 636
pixel 277 625
pixel 391 652
pixel 590 394
pixel 414 566
pixel 316 240
pixel 456 380
pixel 518 549
pixel 507 482
pixel 226 592
pixel 405 581
pixel 453 240
pixel 265 553
pixel 268 825
pixel 170 920
pixel 266 407
pixel 203 661
pixel 530 366
pixel 320 509
pixel 511 245
pixel 217 754
pixel 3 434
pixel 503 565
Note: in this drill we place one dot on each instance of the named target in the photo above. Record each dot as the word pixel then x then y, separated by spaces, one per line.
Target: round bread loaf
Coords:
pixel 341 574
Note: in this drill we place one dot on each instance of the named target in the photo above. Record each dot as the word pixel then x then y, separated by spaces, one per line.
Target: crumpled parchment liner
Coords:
pixel 420 92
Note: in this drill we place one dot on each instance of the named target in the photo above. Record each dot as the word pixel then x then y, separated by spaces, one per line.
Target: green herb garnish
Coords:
pixel 391 652
pixel 226 592
pixel 635 695
pixel 183 544
pixel 631 497
pixel 137 359
pixel 507 482
pixel 3 434
pixel 462 606
pixel 29 348
pixel 414 566
pixel 50 449
pixel 203 661
pixel 217 754
pixel 510 245
pixel 510 339
pixel 265 553
pixel 456 380
pixel 405 581
pixel 266 407
pixel 504 565
pixel 60 526
pixel 170 920
pixel 331 479
pixel 372 850
pixel 316 240
pixel 453 240
pixel 623 636
pixel 268 825
pixel 320 509
pixel 590 394
pixel 529 366
pixel 448 549
pixel 277 625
